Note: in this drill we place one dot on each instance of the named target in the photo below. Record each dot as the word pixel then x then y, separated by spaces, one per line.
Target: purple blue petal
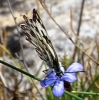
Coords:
pixel 70 77
pixel 58 89
pixel 47 82
pixel 51 74
pixel 75 67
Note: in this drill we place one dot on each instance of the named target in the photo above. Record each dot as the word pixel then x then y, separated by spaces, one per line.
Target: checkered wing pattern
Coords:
pixel 37 35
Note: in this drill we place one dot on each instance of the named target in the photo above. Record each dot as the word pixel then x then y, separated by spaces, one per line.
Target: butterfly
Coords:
pixel 37 35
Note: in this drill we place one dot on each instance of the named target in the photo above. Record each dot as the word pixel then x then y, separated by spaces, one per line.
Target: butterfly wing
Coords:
pixel 37 35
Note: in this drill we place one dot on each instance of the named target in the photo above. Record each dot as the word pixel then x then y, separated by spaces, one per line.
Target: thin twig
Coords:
pixel 80 19
pixel 79 25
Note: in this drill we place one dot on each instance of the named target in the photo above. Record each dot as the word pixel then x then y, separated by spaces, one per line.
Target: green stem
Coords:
pixel 70 94
pixel 11 66
pixel 86 93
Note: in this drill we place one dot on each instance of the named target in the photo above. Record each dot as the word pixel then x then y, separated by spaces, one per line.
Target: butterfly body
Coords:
pixel 37 35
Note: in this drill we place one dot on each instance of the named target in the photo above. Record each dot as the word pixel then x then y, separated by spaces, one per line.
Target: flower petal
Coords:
pixel 58 89
pixel 48 81
pixel 51 74
pixel 70 77
pixel 75 67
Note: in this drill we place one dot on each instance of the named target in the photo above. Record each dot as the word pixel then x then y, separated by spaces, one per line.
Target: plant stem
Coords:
pixel 11 66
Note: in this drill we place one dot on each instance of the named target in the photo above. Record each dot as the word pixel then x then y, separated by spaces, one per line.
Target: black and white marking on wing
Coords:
pixel 37 35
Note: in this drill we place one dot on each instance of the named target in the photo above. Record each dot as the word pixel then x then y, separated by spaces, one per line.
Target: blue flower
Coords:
pixel 63 82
